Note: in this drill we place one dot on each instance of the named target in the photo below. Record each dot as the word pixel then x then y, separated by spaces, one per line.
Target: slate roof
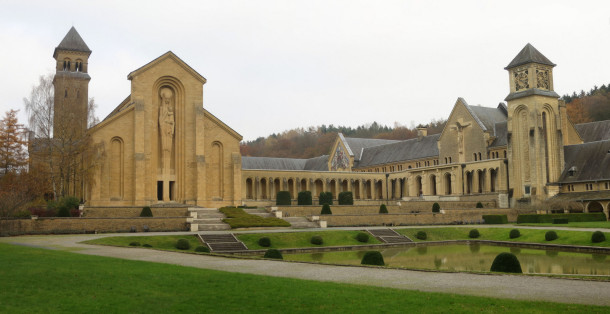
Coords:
pixel 271 163
pixel 500 131
pixel 73 42
pixel 584 196
pixel 357 144
pixel 529 54
pixel 400 151
pixel 594 131
pixel 487 117
pixel 591 162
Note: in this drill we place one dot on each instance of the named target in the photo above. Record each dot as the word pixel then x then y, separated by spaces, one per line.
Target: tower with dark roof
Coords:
pixel 71 84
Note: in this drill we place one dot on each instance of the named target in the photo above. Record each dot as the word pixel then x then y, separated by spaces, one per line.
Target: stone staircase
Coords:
pixel 258 212
pixel 301 223
pixel 389 236
pixel 222 242
pixel 206 219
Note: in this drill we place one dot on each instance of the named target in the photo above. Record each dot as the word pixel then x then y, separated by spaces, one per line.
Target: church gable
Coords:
pixel 341 156
pixel 163 59
pixel 463 135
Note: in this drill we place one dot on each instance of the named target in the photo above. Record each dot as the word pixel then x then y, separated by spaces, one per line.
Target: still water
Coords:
pixel 473 257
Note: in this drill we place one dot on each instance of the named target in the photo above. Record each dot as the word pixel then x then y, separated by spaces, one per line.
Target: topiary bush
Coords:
pixel 283 198
pixel 422 235
pixel 479 205
pixel 436 208
pixel 495 219
pixel 383 209
pixel 146 212
pixel 362 237
pixel 346 198
pixel 598 237
pixel 134 243
pixel 304 198
pixel 273 253
pixel 202 249
pixel 317 240
pixel 550 235
pixel 514 234
pixel 325 198
pixel 264 242
pixel 506 263
pixel 372 258
pixel 326 210
pixel 474 233
pixel 183 244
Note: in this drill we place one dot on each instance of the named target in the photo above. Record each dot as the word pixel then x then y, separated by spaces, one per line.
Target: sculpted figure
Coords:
pixel 166 119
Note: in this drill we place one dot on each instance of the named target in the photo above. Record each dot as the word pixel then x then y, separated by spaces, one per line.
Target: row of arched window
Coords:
pixel 78 65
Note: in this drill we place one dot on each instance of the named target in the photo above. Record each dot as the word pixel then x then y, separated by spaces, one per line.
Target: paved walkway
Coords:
pixel 502 286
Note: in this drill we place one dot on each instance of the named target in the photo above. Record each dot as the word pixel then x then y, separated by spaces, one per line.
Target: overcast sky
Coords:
pixel 276 65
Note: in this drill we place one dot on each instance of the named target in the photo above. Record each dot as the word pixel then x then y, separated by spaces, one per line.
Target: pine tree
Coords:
pixel 13 156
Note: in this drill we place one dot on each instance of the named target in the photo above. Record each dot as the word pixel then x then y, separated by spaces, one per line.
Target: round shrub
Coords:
pixel 474 233
pixel 479 205
pixel 134 243
pixel 317 240
pixel 422 235
pixel 146 245
pixel 372 258
pixel 273 253
pixel 202 249
pixel 598 237
pixel 183 244
pixel 63 211
pixel 514 234
pixel 362 237
pixel 264 242
pixel 506 263
pixel 550 235
pixel 326 210
pixel 146 212
pixel 436 208
pixel 383 209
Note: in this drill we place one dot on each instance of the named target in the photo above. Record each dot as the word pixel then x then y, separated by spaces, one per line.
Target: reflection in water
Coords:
pixel 472 258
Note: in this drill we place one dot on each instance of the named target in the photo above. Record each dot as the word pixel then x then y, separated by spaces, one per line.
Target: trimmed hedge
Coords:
pixel 550 235
pixel 317 240
pixel 325 198
pixel 346 198
pixel 238 218
pixel 558 221
pixel 506 263
pixel 202 249
pixel 304 198
pixel 326 210
pixel 146 212
pixel 514 234
pixel 362 237
pixel 372 258
pixel 273 253
pixel 183 244
pixel 548 218
pixel 495 219
pixel 598 237
pixel 264 242
pixel 383 209
pixel 474 233
pixel 422 235
pixel 283 198
pixel 436 208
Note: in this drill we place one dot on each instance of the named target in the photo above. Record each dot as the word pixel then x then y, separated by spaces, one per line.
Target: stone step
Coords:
pixel 226 247
pixel 396 239
pixel 210 215
pixel 213 227
pixel 207 221
pixel 212 238
pixel 255 210
pixel 383 233
pixel 300 222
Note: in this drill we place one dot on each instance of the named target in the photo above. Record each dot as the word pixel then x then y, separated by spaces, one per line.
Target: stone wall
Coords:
pixel 89 225
pixel 128 212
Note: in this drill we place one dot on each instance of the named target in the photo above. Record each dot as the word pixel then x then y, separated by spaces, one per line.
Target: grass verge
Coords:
pixel 167 243
pixel 282 240
pixel 37 280
pixel 238 218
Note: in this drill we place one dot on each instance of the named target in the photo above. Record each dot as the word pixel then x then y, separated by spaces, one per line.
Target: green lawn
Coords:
pixel 501 234
pixel 238 218
pixel 157 242
pixel 282 240
pixel 37 280
pixel 592 224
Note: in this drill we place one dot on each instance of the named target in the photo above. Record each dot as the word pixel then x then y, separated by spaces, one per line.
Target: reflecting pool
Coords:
pixel 471 257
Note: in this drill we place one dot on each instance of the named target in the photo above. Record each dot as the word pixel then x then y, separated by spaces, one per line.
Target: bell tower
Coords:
pixel 71 84
pixel 535 124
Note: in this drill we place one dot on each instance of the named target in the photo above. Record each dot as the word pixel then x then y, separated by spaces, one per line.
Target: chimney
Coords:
pixel 422 130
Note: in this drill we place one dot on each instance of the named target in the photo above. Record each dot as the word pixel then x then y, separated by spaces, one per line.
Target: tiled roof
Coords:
pixel 487 117
pixel 272 163
pixel 590 161
pixel 72 42
pixel 357 144
pixel 400 151
pixel 594 131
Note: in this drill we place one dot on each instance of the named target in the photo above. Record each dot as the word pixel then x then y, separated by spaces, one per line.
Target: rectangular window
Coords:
pixel 159 190
pixel 172 190
pixel 527 190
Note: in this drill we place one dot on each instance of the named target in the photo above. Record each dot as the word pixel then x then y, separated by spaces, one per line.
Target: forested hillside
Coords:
pixel 590 106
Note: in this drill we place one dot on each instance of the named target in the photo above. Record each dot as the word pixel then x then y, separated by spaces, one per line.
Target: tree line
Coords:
pixel 590 106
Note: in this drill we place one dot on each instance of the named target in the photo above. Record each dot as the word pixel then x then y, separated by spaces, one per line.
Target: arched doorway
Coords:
pixel 303 186
pixel 368 189
pixel 432 184
pixel 319 185
pixel 418 186
pixel 378 190
pixel 481 179
pixel 595 207
pixel 356 189
pixel 263 188
pixel 291 188
pixel 344 186
pixel 493 173
pixel 249 188
pixel 469 182
pixel 447 183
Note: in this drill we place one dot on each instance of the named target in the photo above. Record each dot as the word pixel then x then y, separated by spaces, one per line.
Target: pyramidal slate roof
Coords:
pixel 529 54
pixel 594 131
pixel 72 42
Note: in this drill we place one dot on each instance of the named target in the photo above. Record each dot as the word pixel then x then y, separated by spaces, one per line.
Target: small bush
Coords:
pixel 550 235
pixel 326 198
pixel 183 244
pixel 264 242
pixel 283 198
pixel 362 237
pixel 558 221
pixel 134 244
pixel 436 208
pixel 479 205
pixel 304 198
pixel 514 234
pixel 383 209
pixel 317 240
pixel 63 211
pixel 474 233
pixel 273 253
pixel 506 263
pixel 326 210
pixel 346 198
pixel 495 219
pixel 146 212
pixel 372 258
pixel 598 237
pixel 23 214
pixel 422 235
pixel 147 245
pixel 202 249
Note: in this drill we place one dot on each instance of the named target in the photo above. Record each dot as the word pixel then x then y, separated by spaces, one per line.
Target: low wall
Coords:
pixel 90 225
pixel 123 212
pixel 449 217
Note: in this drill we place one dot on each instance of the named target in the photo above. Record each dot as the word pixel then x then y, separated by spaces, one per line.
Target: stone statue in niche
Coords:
pixel 166 123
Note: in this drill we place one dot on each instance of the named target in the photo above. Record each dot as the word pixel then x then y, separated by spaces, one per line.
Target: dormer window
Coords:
pixel 572 171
